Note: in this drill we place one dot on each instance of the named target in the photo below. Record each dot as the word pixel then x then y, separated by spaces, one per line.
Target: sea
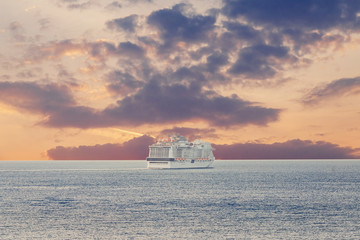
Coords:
pixel 247 199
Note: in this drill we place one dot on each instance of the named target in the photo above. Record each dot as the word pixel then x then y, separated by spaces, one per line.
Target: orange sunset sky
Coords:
pixel 91 79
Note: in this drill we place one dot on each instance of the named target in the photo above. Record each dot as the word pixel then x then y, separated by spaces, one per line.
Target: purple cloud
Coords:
pixel 36 98
pixel 215 61
pixel 157 103
pixel 153 104
pixel 334 89
pixel 128 23
pixel 244 32
pixel 77 4
pixel 175 26
pixel 185 74
pixel 292 149
pixel 190 133
pixel 54 102
pixel 130 50
pixel 306 14
pixel 114 6
pixel 121 83
pixel 137 149
pixel 17 31
pixel 134 149
pixel 100 50
pixel 259 61
pixel 305 23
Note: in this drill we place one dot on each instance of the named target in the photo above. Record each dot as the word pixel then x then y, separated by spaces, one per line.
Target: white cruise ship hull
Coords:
pixel 167 163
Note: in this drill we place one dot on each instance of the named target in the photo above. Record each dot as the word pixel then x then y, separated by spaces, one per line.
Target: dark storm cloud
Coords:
pixel 128 23
pixel 190 133
pixel 292 149
pixel 157 103
pixel 135 149
pixel 122 83
pixel 337 88
pixel 305 14
pixel 175 26
pixel 260 61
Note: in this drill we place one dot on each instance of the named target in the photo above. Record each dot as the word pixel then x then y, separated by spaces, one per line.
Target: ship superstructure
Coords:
pixel 177 152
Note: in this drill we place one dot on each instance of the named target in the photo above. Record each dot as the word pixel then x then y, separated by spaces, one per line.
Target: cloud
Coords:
pixel 128 23
pixel 130 50
pixel 140 1
pixel 152 104
pixel 54 102
pixel 98 50
pixel 32 97
pixel 337 88
pixel 307 14
pixel 207 74
pixel 244 32
pixel 177 103
pixel 215 61
pixel 292 149
pixel 5 77
pixel 29 73
pixel 262 52
pixel 135 149
pixel 76 117
pixel 174 26
pixel 190 133
pixel 65 76
pixel 260 61
pixel 77 4
pixel 122 83
pixel 54 50
pixel 114 6
pixel 188 75
pixel 44 23
pixel 301 25
pixel 17 31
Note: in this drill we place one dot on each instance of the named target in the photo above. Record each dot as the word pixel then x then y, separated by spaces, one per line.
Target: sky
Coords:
pixel 103 79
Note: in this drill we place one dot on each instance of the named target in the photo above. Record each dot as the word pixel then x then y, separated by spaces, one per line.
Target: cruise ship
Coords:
pixel 178 152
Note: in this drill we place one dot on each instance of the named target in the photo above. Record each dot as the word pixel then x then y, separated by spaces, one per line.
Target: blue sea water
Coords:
pixel 288 199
